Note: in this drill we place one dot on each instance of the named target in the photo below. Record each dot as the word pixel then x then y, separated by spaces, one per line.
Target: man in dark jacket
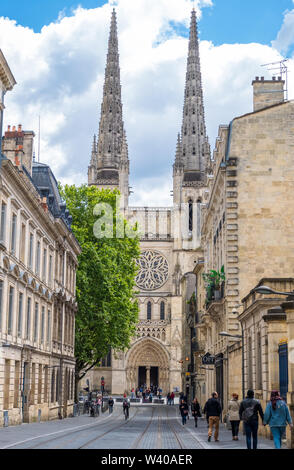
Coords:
pixel 213 410
pixel 249 409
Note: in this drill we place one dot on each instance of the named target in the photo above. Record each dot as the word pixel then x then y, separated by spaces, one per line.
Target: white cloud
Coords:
pixel 60 73
pixel 285 37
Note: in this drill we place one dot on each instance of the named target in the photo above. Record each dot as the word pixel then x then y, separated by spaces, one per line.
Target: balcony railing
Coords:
pixel 215 295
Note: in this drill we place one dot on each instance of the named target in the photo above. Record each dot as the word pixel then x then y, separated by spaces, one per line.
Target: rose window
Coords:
pixel 153 270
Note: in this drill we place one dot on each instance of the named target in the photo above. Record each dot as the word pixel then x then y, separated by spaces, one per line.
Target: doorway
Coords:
pixel 154 376
pixel 283 369
pixel 142 376
pixel 219 370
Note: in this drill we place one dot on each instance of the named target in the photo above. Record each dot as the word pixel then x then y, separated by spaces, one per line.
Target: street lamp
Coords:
pixel 268 290
pixel 228 335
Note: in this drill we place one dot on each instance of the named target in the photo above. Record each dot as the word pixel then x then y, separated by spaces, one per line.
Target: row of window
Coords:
pixel 22 241
pixel 149 311
pixel 36 387
pixel 39 259
pixel 30 316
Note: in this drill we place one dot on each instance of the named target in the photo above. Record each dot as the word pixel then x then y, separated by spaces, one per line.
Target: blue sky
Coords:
pixel 59 71
pixel 227 21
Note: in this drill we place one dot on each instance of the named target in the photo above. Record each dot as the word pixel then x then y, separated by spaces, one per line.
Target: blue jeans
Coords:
pixel 278 432
pixel 251 430
pixel 184 419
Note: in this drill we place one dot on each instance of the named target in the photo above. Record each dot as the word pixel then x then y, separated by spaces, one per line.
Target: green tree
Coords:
pixel 107 310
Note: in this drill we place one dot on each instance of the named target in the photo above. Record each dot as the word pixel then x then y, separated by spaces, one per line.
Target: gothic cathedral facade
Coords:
pixel 170 236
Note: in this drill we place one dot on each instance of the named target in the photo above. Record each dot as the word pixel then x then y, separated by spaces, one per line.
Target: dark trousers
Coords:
pixel 184 419
pixel 235 428
pixel 251 430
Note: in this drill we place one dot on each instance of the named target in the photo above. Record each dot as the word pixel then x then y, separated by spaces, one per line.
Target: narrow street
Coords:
pixel 149 427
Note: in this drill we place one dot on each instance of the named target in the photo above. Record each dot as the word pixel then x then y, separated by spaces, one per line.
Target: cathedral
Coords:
pixel 170 236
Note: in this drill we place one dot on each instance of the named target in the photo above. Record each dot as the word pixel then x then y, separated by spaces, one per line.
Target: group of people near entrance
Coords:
pixel 276 415
pixel 147 393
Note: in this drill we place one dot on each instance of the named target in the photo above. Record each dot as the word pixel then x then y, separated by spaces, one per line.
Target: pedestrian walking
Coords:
pixel 184 410
pixel 213 411
pixel 126 406
pixel 110 405
pixel 195 409
pixel 248 413
pixel 133 393
pixel 277 416
pixel 233 415
pixel 168 400
pixel 172 398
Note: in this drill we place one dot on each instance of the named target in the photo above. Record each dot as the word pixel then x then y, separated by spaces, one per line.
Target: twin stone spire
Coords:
pixel 109 166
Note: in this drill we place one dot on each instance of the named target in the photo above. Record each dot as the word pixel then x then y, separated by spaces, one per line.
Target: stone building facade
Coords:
pixel 269 343
pixel 38 261
pixel 170 236
pixel 246 224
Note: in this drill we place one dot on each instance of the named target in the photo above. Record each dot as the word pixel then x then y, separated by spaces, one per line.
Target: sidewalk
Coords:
pixel 225 437
pixel 24 431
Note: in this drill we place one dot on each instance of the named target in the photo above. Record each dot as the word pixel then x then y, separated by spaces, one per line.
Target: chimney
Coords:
pixel 267 92
pixel 17 146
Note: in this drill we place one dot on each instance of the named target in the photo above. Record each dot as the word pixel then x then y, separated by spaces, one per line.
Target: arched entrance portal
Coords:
pixel 148 362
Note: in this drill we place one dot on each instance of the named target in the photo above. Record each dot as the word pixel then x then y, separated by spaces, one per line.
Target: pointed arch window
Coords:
pixel 193 109
pixel 110 109
pixel 194 130
pixel 190 202
pixel 185 131
pixel 162 311
pixel 194 92
pixel 149 310
pixel 109 149
pixel 184 151
pixel 194 150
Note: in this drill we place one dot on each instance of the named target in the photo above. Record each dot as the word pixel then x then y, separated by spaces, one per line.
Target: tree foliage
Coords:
pixel 107 309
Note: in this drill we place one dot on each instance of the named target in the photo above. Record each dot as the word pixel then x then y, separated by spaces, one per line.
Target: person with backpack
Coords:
pixel 233 415
pixel 212 409
pixel 195 409
pixel 277 416
pixel 248 413
pixel 126 406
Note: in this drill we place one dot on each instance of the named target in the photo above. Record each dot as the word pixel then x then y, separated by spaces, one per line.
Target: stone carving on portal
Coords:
pixel 152 328
pixel 149 353
pixel 153 272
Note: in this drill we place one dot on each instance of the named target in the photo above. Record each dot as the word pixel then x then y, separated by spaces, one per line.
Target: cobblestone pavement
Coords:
pixel 148 427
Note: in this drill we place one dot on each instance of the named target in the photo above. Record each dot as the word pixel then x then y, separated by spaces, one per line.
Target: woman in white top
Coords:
pixel 233 415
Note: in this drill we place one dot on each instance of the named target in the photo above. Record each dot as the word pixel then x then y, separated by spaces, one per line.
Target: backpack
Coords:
pixel 248 413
